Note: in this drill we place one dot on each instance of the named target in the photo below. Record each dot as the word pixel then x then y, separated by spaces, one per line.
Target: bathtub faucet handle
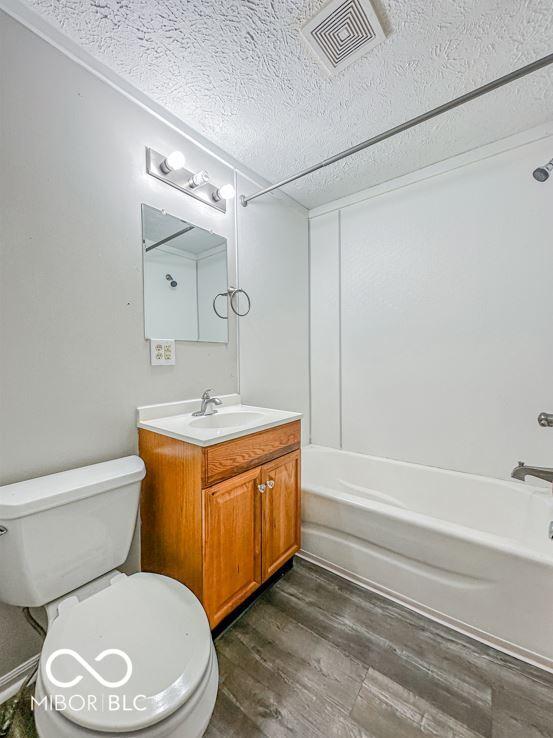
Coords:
pixel 545 420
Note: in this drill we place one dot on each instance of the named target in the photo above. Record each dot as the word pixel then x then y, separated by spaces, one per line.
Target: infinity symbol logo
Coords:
pixel 99 678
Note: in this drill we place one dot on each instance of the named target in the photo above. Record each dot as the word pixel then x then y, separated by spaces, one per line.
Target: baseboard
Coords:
pixel 12 681
pixel 468 630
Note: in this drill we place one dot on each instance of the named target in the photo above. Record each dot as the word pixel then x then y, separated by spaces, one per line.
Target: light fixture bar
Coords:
pixel 180 179
pixel 467 97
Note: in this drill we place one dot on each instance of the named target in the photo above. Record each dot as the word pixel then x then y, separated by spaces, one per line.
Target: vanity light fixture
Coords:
pixel 171 170
pixel 199 179
pixel 174 161
pixel 226 192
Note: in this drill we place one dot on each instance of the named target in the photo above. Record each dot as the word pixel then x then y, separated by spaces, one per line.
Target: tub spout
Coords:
pixel 522 471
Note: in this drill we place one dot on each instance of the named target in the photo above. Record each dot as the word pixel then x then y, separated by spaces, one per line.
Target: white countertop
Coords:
pixel 177 421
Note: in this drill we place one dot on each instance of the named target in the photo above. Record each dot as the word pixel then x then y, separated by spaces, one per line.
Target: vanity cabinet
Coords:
pixel 232 543
pixel 280 513
pixel 224 518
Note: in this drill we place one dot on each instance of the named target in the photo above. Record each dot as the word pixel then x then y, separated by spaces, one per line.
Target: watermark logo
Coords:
pixel 99 678
pixel 76 701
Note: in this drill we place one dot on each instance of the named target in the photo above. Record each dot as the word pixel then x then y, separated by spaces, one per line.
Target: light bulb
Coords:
pixel 175 160
pixel 199 179
pixel 226 192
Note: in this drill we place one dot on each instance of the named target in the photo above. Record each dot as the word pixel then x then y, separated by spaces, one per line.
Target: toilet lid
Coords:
pixel 128 656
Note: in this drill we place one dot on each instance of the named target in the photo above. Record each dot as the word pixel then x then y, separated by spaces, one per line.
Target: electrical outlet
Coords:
pixel 162 351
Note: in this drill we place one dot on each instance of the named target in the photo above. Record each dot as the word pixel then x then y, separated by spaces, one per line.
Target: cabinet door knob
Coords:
pixel 262 487
pixel 271 483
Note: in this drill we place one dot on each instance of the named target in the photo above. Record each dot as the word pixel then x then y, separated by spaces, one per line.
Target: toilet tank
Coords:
pixel 61 531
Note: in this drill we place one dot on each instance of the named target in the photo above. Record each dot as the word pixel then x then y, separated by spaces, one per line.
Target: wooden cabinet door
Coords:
pixel 232 543
pixel 281 513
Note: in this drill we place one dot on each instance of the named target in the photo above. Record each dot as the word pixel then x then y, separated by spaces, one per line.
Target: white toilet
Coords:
pixel 126 655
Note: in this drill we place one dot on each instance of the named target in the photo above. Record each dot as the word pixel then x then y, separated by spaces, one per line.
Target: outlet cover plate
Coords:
pixel 162 351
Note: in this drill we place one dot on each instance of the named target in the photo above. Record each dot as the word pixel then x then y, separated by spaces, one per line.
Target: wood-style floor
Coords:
pixel 318 656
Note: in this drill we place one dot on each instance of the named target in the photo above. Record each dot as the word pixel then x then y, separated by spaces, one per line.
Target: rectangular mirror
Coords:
pixel 185 268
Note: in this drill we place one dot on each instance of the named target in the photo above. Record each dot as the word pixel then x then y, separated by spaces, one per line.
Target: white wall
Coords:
pixel 325 330
pixel 439 295
pixel 73 163
pixel 273 267
pixel 74 364
pixel 73 180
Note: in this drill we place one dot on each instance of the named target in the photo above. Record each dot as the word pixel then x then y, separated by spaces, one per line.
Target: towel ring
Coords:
pixel 233 295
pixel 217 313
pixel 232 291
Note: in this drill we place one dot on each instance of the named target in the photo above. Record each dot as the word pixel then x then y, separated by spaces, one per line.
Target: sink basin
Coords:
pixel 226 420
pixel 233 420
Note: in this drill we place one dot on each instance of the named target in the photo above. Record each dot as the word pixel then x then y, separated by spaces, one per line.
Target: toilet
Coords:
pixel 123 655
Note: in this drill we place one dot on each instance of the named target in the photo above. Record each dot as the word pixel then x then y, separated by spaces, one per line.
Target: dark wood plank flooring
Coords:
pixel 317 656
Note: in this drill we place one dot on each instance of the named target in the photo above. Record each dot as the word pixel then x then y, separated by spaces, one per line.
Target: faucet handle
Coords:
pixel 207 394
pixel 545 420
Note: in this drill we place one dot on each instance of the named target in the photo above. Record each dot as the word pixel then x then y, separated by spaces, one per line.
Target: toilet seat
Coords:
pixel 137 650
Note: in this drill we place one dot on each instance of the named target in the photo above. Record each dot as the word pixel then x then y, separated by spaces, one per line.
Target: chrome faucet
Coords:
pixel 522 471
pixel 208 404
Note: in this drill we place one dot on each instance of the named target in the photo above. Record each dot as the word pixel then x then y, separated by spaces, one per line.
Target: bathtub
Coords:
pixel 468 551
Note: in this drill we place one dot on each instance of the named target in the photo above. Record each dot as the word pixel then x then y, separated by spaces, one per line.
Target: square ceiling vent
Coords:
pixel 343 31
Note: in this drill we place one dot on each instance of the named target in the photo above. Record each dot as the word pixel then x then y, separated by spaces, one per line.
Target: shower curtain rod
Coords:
pixel 489 87
pixel 169 238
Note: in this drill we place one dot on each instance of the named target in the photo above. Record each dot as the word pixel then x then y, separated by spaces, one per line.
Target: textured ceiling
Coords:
pixel 239 73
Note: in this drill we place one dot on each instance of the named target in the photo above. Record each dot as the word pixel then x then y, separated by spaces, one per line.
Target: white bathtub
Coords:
pixel 469 551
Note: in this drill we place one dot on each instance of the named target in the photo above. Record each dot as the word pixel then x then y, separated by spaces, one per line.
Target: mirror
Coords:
pixel 185 267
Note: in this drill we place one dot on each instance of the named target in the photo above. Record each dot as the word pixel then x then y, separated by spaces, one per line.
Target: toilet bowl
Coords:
pixel 123 655
pixel 160 626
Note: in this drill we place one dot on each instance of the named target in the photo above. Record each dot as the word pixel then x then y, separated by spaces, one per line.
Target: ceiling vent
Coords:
pixel 343 31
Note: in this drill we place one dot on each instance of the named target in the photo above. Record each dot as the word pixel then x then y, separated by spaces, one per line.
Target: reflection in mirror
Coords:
pixel 185 267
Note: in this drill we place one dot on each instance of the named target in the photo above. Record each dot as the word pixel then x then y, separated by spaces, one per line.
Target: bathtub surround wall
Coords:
pixel 431 314
pixel 74 364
